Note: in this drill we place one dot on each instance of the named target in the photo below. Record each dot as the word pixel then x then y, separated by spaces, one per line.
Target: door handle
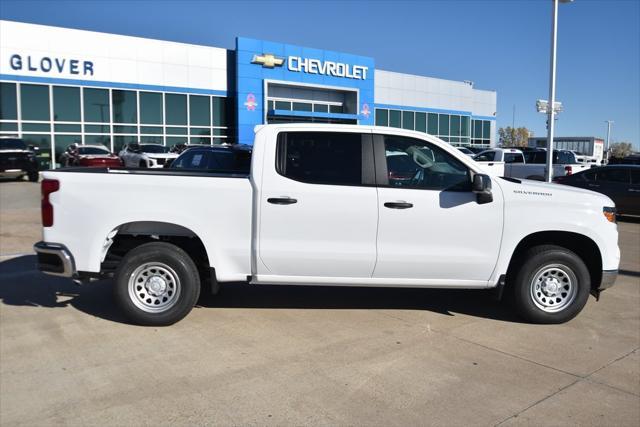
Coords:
pixel 634 190
pixel 398 205
pixel 594 185
pixel 281 200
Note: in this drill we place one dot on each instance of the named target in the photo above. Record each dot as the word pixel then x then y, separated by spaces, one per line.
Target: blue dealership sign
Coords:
pixel 260 60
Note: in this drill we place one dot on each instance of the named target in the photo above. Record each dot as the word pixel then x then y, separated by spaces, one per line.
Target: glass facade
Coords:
pixel 53 116
pixel 453 128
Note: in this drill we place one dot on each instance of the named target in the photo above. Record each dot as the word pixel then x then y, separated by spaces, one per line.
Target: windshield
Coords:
pixel 92 150
pixel 152 148
pixel 12 144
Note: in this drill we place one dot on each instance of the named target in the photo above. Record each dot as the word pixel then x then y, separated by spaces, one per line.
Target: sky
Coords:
pixel 501 45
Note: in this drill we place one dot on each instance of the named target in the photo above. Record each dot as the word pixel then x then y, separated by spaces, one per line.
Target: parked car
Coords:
pixel 319 207
pixel 466 151
pixel 89 156
pixel 145 155
pixel 529 164
pixel 215 158
pixel 17 159
pixel 179 148
pixel 619 182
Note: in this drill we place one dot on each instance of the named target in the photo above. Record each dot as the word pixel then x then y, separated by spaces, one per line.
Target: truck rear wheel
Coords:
pixel 157 284
pixel 551 285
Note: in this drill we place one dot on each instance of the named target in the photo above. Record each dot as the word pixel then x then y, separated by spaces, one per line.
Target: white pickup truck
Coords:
pixel 511 162
pixel 341 205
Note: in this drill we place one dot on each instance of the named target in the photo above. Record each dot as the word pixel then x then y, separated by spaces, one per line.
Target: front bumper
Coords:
pixel 608 279
pixel 55 259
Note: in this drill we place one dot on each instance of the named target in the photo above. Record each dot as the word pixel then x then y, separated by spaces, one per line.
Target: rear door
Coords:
pixel 318 208
pixel 615 183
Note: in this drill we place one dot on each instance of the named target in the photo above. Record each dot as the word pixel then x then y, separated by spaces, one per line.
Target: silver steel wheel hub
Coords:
pixel 554 287
pixel 154 287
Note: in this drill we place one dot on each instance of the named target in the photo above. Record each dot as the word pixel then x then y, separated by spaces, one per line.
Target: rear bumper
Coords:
pixel 608 279
pixel 55 259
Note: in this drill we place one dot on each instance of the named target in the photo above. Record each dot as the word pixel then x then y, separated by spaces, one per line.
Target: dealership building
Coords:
pixel 60 86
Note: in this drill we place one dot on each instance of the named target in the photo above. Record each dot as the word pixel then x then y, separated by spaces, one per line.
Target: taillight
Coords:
pixel 48 186
pixel 568 170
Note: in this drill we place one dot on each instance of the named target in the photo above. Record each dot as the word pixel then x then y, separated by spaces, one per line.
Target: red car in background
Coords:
pixel 89 156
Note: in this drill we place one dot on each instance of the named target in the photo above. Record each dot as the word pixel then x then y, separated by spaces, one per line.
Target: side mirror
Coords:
pixel 482 187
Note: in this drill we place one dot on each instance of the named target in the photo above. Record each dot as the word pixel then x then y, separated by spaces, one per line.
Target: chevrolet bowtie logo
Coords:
pixel 267 60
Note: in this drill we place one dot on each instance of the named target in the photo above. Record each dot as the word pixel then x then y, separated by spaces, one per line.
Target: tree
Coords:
pixel 514 137
pixel 620 150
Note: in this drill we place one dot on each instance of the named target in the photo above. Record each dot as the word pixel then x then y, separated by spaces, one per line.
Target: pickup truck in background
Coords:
pixel 530 164
pixel 339 205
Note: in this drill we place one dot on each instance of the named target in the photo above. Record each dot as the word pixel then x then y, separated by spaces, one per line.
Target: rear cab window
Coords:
pixel 331 158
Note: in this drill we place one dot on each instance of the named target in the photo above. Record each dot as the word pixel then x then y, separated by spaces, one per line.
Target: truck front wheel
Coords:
pixel 551 285
pixel 157 284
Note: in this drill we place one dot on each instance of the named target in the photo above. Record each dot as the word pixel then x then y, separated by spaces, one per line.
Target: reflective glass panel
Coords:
pixel 199 110
pixel 151 108
pixel 34 102
pixel 66 104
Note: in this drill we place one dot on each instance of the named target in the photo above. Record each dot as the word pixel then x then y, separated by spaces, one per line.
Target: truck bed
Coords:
pixel 217 207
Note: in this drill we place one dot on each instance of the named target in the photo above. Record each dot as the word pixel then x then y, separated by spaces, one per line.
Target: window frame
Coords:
pixel 368 164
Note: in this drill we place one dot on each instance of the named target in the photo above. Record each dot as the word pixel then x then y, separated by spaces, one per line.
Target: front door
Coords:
pixel 430 226
pixel 318 208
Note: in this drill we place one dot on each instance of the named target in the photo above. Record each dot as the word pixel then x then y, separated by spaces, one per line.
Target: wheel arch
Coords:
pixel 130 235
pixel 581 245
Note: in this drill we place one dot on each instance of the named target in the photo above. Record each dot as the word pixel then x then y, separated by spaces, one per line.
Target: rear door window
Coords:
pixel 513 158
pixel 614 176
pixel 487 156
pixel 333 158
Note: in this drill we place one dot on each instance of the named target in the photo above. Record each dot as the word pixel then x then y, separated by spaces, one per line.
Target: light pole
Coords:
pixel 552 89
pixel 609 123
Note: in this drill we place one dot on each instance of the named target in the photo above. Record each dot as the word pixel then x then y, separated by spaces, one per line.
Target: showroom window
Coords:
pixel 110 117
pixel 8 102
pixel 34 102
pixel 395 118
pixel 176 109
pixel 199 110
pixel 407 120
pixel 455 129
pixel 382 117
pixel 480 132
pixel 66 104
pixel 125 106
pixel 150 109
pixel 96 105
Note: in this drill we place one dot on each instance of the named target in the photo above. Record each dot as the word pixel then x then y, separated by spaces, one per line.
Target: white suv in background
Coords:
pixel 145 155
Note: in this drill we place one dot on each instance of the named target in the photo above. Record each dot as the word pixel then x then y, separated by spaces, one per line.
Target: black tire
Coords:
pixel 569 287
pixel 169 261
pixel 34 176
